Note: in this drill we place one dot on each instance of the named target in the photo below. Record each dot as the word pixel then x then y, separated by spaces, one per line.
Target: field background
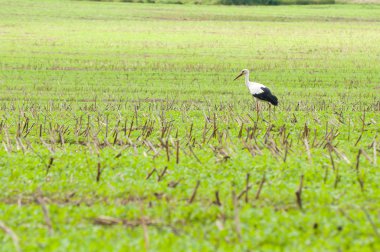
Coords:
pixel 113 113
pixel 249 2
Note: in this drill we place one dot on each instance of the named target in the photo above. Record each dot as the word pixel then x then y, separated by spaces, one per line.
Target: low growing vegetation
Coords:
pixel 121 127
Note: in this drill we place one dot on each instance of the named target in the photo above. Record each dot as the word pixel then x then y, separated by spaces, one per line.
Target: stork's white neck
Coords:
pixel 247 79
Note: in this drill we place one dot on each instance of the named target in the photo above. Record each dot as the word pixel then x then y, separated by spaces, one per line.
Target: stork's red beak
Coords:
pixel 238 76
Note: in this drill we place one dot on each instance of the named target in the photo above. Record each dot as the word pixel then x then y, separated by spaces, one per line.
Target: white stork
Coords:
pixel 259 91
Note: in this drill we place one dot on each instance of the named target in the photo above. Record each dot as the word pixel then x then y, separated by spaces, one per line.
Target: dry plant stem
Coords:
pixel 167 150
pixel 331 158
pixel 374 153
pixel 217 199
pixel 145 230
pixel 359 178
pixel 194 192
pixel 151 173
pixel 45 211
pixel 307 149
pixel 160 176
pixel 373 225
pixel 260 187
pixel 358 160
pixel 244 192
pixel 49 165
pixel 299 193
pixel 246 188
pixel 99 172
pixel 195 156
pixel 14 237
pixel 177 152
pixel 236 215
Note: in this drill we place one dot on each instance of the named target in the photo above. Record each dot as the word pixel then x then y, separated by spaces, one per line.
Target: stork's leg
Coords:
pixel 273 109
pixel 257 110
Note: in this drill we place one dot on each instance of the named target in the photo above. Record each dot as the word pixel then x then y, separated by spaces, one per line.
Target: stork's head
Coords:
pixel 243 72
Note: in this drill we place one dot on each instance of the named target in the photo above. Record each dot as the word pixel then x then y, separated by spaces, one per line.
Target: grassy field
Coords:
pixel 122 129
pixel 235 2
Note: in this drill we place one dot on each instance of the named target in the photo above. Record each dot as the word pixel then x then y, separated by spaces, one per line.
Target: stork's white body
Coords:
pixel 253 87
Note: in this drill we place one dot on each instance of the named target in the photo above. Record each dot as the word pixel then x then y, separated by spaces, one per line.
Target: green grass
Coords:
pixel 228 2
pixel 115 86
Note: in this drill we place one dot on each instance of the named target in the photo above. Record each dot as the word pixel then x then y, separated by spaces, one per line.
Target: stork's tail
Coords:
pixel 273 100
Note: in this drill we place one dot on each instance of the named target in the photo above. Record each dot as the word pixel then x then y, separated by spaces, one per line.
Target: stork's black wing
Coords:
pixel 267 95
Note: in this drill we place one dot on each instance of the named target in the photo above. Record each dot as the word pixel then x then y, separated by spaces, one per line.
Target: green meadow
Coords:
pixel 122 129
